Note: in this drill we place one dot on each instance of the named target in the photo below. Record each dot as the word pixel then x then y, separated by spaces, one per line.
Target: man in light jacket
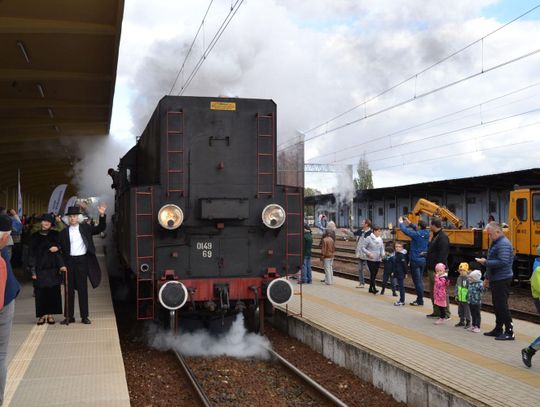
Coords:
pixel 362 233
pixel 327 252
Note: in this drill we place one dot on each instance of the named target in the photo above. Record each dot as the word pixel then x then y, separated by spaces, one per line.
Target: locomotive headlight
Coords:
pixel 273 216
pixel 170 216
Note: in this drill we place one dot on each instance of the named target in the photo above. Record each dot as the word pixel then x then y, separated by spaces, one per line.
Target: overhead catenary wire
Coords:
pixel 445 133
pixel 453 143
pixel 232 12
pixel 436 119
pixel 422 95
pixel 191 47
pixel 454 155
pixel 415 76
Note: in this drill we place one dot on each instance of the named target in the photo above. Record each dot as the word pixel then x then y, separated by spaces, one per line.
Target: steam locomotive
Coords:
pixel 200 220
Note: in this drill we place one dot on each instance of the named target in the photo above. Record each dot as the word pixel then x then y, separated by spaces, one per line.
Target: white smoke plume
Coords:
pixel 94 156
pixel 237 342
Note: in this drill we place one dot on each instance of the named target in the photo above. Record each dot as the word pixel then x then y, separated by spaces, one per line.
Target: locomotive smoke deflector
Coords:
pixel 273 216
pixel 280 291
pixel 170 216
pixel 173 295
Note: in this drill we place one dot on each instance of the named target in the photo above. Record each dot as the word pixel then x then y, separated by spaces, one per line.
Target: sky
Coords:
pixel 319 58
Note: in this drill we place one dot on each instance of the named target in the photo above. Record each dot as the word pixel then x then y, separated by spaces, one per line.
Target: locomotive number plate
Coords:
pixel 222 105
pixel 205 248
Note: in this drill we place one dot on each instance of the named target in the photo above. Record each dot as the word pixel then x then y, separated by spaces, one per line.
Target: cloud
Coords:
pixel 318 58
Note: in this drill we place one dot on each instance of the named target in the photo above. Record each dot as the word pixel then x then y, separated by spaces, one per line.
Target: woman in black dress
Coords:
pixel 46 264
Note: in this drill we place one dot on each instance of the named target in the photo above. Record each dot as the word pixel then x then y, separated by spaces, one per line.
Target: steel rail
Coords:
pixel 193 380
pixel 320 389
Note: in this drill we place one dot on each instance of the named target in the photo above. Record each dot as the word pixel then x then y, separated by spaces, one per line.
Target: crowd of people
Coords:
pixel 430 256
pixel 54 251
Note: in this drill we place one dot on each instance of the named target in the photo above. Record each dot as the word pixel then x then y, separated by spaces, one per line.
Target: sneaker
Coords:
pixel 399 304
pixel 416 304
pixel 432 315
pixel 470 329
pixel 460 323
pixel 507 336
pixel 526 355
pixel 493 333
pixel 440 321
pixel 475 329
pixel 360 286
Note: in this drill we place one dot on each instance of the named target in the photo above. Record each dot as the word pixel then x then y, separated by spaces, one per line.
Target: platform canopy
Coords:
pixel 58 62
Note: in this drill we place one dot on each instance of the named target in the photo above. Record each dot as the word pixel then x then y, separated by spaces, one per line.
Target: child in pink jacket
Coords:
pixel 439 291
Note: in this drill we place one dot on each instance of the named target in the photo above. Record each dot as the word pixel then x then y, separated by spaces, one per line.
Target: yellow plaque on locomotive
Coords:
pixel 223 105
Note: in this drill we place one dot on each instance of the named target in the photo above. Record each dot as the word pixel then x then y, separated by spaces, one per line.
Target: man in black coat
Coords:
pixel 80 257
pixel 437 252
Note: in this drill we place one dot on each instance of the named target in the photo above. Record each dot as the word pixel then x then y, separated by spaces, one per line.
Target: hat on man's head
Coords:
pixel 6 224
pixel 73 210
pixel 48 217
pixel 475 275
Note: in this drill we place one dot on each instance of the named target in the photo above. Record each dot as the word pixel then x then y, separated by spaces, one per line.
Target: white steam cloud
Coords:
pixel 98 154
pixel 237 342
pixel 318 58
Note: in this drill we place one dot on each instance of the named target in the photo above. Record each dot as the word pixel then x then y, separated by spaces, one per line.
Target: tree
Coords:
pixel 311 192
pixel 365 177
pixel 309 210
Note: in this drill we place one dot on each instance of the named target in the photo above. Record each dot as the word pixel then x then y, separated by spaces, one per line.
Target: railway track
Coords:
pixel 195 384
pixel 518 314
pixel 205 401
pixel 312 383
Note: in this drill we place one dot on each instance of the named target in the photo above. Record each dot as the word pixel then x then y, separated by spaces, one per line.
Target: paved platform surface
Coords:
pixel 486 370
pixel 75 365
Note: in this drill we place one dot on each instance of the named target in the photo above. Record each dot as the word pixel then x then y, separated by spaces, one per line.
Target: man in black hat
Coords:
pixel 80 257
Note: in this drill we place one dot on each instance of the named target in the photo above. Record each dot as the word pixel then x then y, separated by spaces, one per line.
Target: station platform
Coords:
pixel 75 365
pixel 474 369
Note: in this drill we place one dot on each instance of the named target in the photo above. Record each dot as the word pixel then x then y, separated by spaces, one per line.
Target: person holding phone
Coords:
pixel 498 277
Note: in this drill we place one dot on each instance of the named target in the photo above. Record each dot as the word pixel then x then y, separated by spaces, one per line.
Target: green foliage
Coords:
pixel 311 192
pixel 365 177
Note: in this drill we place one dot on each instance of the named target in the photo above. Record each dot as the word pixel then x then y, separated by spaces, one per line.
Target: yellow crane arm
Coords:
pixel 423 206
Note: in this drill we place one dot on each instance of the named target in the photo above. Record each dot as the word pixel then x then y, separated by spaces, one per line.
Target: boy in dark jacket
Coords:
pixel 389 262
pixel 400 269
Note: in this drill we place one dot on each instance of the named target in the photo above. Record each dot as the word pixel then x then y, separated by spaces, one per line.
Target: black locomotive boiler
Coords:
pixel 200 220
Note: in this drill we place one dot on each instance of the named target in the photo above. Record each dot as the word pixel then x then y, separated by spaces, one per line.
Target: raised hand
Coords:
pixel 102 208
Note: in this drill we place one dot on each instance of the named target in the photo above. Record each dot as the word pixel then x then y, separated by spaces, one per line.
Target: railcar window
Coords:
pixel 128 175
pixel 521 208
pixel 536 207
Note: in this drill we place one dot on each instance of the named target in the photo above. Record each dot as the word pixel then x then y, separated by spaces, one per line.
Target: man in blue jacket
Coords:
pixel 498 276
pixel 419 243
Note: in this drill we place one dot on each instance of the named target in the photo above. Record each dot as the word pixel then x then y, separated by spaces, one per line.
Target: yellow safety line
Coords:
pixel 420 310
pixel 19 364
pixel 522 375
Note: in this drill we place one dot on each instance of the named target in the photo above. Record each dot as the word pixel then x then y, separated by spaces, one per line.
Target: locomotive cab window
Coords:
pixel 536 207
pixel 521 209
